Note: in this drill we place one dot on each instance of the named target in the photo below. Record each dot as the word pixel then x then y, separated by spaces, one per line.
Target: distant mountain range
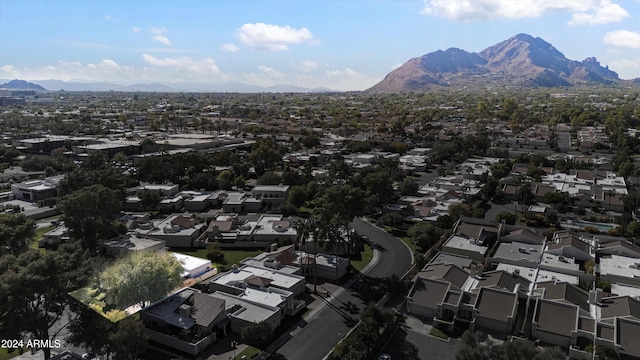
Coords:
pixel 21 85
pixel 522 61
pixel 56 85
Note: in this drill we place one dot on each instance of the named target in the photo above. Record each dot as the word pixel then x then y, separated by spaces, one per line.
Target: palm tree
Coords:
pixel 307 228
pixel 609 195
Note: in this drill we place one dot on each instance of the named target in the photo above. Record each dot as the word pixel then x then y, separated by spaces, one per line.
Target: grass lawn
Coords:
pixel 4 353
pixel 439 334
pixel 39 234
pixel 231 256
pixel 365 258
pixel 250 352
pixel 407 240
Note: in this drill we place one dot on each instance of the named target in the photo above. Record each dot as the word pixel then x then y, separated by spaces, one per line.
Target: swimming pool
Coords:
pixel 604 227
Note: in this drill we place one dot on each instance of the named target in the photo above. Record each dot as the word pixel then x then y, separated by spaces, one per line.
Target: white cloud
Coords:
pixel 270 72
pixel 158 31
pixel 187 65
pixel 626 68
pixel 341 73
pixel 272 37
pixel 9 71
pixel 623 38
pixel 307 66
pixel 229 48
pixel 584 11
pixel 110 18
pixel 608 13
pixel 135 29
pixel 396 66
pixel 163 39
pixel 104 70
pixel 108 64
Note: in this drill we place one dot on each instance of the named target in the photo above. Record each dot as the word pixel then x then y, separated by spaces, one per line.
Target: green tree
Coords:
pixel 265 156
pixel 376 325
pixel 128 341
pixel 379 184
pixel 215 254
pixel 33 292
pixel 16 232
pixel 457 210
pixel 408 187
pixel 269 178
pixel 424 234
pixel 123 340
pixel 141 277
pixel 257 335
pixel 445 221
pixel 90 213
pixel 297 196
pixel 508 217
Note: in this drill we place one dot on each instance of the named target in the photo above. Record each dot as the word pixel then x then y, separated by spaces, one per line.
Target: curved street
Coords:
pixel 319 331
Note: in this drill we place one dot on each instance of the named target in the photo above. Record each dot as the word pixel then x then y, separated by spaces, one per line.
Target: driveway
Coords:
pixel 321 330
pixel 413 342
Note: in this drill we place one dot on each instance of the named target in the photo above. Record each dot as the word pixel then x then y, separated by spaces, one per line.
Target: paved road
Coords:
pixel 314 338
pixel 395 256
pixel 498 208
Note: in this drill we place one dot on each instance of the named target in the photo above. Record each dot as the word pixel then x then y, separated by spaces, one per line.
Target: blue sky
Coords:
pixel 338 44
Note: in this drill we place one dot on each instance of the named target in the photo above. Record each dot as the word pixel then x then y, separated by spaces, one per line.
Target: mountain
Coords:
pixel 79 85
pixel 522 60
pixel 21 85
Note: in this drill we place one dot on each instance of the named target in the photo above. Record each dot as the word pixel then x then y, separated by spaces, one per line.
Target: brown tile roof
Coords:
pixel 590 175
pixel 628 334
pixel 542 189
pixel 620 306
pixel 623 243
pixel 453 297
pixel 258 281
pixel 428 292
pixel 223 226
pixel 469 298
pixel 556 318
pixel 501 279
pixel 285 257
pixel 448 272
pixel 520 168
pixel 605 331
pixel 182 221
pixel 422 210
pixel 496 304
pixel 565 291
pixel 586 324
pixel 282 224
pixel 529 235
pixel 510 189
pixel 569 241
pixel 205 308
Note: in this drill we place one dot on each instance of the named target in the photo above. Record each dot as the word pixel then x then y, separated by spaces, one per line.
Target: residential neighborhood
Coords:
pixel 278 237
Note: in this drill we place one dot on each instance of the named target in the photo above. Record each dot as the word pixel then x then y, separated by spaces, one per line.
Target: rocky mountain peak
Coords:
pixel 522 60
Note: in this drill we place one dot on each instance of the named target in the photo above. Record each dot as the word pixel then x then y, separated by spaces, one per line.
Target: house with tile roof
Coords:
pixel 555 322
pixel 495 310
pixel 619 247
pixel 199 319
pixel 569 245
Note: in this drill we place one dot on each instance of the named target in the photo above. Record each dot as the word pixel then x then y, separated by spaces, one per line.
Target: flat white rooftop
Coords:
pixel 281 280
pixel 262 296
pixel 245 309
pixel 620 266
pixel 191 262
pixel 461 242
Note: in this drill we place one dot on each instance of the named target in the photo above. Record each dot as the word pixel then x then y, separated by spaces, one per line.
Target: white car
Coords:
pixel 384 357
